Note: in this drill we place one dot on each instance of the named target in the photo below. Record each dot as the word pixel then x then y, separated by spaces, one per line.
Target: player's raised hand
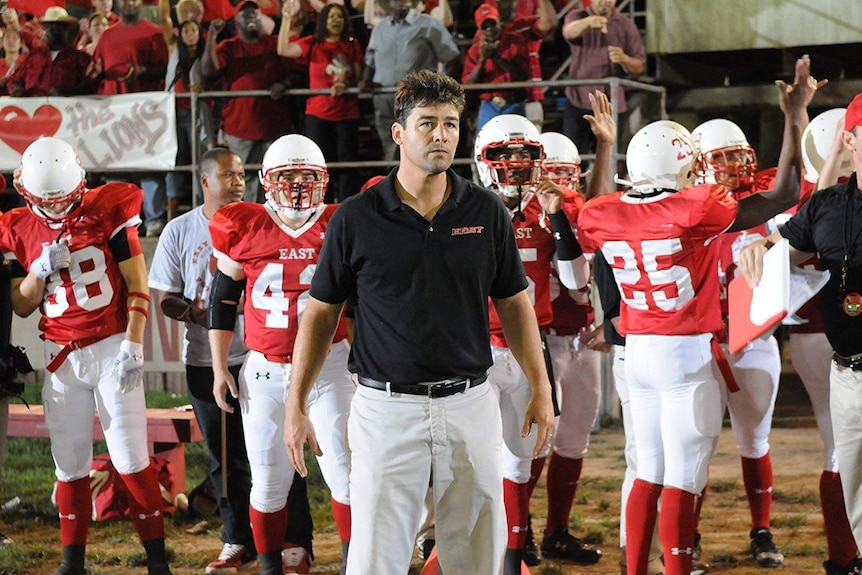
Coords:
pixel 223 382
pixel 129 366
pixel 800 94
pixel 540 411
pixel 602 119
pixel 550 195
pixel 298 430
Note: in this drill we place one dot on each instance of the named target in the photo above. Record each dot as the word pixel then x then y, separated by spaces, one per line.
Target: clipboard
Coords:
pixel 755 312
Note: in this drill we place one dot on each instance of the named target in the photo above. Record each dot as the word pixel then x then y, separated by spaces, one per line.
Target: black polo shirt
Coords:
pixel 830 225
pixel 419 289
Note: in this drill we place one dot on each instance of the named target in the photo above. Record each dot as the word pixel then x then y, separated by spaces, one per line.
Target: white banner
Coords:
pixel 134 131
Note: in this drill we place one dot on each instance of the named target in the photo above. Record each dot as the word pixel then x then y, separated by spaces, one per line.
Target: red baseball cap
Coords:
pixel 486 12
pixel 242 5
pixel 853 115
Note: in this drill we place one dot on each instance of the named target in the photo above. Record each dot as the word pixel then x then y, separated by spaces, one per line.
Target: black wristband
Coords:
pixel 568 247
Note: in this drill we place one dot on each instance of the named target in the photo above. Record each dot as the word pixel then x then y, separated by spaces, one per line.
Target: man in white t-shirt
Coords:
pixel 181 274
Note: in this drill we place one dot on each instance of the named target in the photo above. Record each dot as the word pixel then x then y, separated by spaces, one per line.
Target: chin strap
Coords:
pixel 519 215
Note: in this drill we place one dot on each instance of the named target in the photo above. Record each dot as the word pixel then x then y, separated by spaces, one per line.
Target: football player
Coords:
pixel 509 155
pixel 273 268
pixel 80 262
pixel 658 239
pixel 726 158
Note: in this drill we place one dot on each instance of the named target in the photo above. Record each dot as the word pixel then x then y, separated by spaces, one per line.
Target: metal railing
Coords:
pixel 612 82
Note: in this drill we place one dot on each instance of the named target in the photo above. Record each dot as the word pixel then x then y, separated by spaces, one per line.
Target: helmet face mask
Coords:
pixel 562 161
pixel 731 167
pixel 508 154
pixel 294 176
pixel 514 165
pixel 726 157
pixel 52 180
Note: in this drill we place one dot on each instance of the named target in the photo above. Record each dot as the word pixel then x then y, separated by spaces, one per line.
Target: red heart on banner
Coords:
pixel 18 130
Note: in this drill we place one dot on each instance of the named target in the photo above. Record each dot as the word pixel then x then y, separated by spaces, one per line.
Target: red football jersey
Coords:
pixel 278 263
pixel 663 256
pixel 87 299
pixel 536 245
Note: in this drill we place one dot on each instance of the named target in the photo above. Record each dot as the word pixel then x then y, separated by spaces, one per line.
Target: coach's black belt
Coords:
pixel 430 389
pixel 854 362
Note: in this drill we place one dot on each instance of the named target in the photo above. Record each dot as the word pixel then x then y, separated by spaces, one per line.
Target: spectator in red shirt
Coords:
pixel 13 57
pixel 498 55
pixel 132 57
pixel 249 62
pixel 98 23
pixel 334 59
pixel 57 69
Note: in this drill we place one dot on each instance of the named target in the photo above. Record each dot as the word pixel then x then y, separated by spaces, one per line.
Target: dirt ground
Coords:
pixel 798 529
pixel 797 456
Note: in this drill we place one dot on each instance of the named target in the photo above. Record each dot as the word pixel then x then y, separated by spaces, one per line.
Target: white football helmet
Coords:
pixel 294 152
pixel 508 132
pixel 725 154
pixel 661 155
pixel 51 179
pixel 817 140
pixel 562 160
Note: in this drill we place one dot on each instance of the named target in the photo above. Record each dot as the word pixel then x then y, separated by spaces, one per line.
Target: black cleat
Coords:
pixel 560 544
pixel 764 550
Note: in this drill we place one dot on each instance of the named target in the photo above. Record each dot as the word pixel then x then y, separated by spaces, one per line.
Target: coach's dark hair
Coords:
pixel 209 160
pixel 426 88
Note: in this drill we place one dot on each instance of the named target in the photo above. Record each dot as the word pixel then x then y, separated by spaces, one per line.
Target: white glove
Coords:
pixel 129 366
pixel 54 257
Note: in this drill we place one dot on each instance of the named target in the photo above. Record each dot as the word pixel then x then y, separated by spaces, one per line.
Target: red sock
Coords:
pixel 757 476
pixel 517 499
pixel 535 472
pixel 698 506
pixel 268 529
pixel 145 503
pixel 641 511
pixel 839 536
pixel 563 477
pixel 676 530
pixel 75 507
pixel 341 514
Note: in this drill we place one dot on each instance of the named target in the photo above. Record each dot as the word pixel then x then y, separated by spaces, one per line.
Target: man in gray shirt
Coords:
pixel 405 41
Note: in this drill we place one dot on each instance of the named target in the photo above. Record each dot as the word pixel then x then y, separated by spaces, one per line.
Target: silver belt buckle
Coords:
pixel 499 101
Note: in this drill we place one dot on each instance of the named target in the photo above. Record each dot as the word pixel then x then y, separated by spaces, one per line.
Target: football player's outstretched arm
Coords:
pixel 227 289
pixel 793 101
pixel 605 129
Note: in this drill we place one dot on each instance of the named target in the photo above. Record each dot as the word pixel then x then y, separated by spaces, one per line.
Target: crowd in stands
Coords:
pixel 108 47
